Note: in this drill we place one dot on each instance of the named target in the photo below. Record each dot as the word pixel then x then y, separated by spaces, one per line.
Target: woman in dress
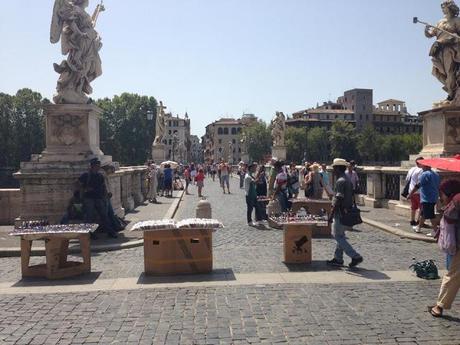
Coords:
pixel 314 183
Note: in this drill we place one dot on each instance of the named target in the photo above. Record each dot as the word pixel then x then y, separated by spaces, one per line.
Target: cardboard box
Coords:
pixel 298 243
pixel 184 251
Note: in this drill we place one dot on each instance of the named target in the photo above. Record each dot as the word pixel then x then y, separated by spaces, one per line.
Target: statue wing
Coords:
pixel 62 11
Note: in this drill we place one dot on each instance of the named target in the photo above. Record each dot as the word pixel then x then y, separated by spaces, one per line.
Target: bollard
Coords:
pixel 203 209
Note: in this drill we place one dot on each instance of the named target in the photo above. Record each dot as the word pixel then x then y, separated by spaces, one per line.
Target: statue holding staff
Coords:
pixel 278 126
pixel 160 125
pixel 445 52
pixel 81 43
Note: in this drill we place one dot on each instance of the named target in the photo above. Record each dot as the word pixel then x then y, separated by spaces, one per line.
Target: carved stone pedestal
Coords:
pixel 49 179
pixel 441 132
pixel 279 152
pixel 158 153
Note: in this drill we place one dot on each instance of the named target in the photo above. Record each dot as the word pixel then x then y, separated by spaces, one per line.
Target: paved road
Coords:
pixel 377 312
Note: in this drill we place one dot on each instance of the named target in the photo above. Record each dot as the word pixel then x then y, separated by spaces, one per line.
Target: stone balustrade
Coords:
pixel 126 185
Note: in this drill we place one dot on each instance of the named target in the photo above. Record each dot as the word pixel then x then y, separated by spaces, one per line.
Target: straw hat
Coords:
pixel 339 162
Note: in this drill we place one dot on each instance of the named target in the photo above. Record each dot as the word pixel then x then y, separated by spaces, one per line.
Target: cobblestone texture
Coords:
pixel 243 249
pixel 384 313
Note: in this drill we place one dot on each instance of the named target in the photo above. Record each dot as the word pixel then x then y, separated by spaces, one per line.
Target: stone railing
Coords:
pixel 383 186
pixel 10 202
pixel 127 186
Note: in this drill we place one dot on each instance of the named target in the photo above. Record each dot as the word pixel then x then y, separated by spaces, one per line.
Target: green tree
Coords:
pixel 318 146
pixel 369 143
pixel 126 133
pixel 343 140
pixel 259 140
pixel 296 144
pixel 22 126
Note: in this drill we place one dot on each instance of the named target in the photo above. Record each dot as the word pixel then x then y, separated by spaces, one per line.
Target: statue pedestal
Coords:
pixel 441 132
pixel 245 158
pixel 158 153
pixel 279 152
pixel 49 179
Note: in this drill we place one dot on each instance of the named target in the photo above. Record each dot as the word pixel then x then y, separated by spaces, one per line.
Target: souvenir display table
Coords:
pixel 172 247
pixel 56 239
pixel 319 207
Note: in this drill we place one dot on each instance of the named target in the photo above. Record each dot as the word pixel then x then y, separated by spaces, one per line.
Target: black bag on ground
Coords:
pixel 351 217
pixel 425 269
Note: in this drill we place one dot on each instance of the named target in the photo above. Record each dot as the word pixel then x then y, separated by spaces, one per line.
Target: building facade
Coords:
pixel 196 150
pixel 223 139
pixel 177 138
pixel 356 108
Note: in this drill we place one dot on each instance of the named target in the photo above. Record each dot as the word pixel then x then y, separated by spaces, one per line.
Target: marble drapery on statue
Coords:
pixel 445 52
pixel 81 43
pixel 160 125
pixel 278 126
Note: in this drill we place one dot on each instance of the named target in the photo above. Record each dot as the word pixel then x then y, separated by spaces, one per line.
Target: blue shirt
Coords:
pixel 168 174
pixel 429 187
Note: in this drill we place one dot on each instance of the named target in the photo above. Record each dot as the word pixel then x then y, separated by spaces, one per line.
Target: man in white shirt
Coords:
pixel 413 179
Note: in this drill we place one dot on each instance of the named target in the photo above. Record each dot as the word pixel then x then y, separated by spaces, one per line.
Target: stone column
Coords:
pixel 375 187
pixel 137 188
pixel 127 190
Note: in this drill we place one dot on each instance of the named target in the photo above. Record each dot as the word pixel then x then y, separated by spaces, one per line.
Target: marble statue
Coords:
pixel 278 126
pixel 230 152
pixel 160 126
pixel 445 52
pixel 81 43
pixel 243 142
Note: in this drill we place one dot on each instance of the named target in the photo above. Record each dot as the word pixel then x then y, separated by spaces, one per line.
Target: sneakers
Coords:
pixel 413 223
pixel 355 262
pixel 334 262
pixel 416 229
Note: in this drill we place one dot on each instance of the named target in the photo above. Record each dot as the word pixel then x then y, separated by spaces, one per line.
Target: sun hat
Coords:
pixel 339 162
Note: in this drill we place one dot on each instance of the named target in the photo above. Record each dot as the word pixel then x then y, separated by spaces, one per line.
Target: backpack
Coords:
pixel 425 269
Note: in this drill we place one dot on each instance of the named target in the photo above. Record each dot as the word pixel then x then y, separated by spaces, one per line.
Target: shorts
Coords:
pixel 427 210
pixel 415 202
pixel 225 180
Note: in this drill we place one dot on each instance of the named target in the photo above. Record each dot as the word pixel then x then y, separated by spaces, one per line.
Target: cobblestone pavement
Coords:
pixel 371 313
pixel 243 249
pixel 295 314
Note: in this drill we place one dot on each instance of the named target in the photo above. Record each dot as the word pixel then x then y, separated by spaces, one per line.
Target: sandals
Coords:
pixel 434 313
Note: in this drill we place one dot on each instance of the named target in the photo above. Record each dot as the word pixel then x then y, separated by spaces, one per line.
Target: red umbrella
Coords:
pixel 449 164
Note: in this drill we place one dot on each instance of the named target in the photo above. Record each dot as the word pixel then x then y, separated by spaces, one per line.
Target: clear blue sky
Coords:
pixel 217 58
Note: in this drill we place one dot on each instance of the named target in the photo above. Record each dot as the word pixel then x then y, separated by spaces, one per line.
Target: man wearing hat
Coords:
pixel 95 197
pixel 343 200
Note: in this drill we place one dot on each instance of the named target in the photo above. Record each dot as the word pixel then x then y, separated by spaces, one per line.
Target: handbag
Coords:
pixel 405 191
pixel 351 217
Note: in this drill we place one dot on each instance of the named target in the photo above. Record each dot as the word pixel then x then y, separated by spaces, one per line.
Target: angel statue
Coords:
pixel 81 43
pixel 445 52
pixel 160 125
pixel 278 126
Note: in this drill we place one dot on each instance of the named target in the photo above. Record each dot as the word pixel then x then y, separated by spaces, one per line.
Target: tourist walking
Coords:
pixel 225 176
pixel 342 203
pixel 353 176
pixel 449 242
pixel 412 179
pixel 281 190
pixel 261 190
pixel 192 172
pixel 199 178
pixel 251 195
pixel 314 183
pixel 242 173
pixel 187 179
pixel 326 181
pixel 293 181
pixel 428 186
pixel 168 181
pixel 95 197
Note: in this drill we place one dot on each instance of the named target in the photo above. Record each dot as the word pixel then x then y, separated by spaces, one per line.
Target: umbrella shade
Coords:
pixel 449 164
pixel 171 163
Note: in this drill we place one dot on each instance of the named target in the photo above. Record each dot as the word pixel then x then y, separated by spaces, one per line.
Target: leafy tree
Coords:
pixel 369 143
pixel 22 126
pixel 259 140
pixel 296 144
pixel 318 146
pixel 126 133
pixel 343 141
